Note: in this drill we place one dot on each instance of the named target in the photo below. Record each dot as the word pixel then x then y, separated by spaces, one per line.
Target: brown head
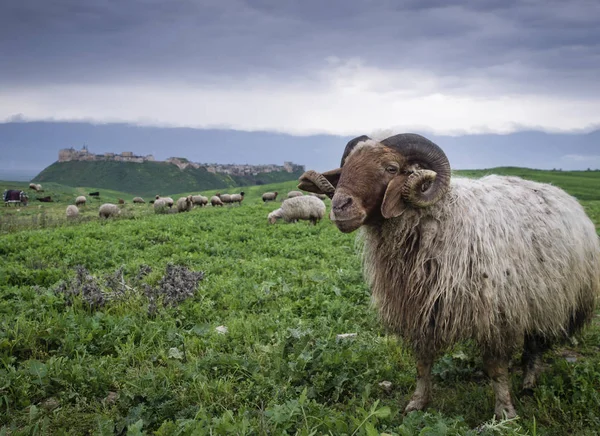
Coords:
pixel 379 180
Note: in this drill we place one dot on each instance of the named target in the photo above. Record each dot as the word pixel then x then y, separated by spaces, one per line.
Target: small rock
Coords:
pixel 386 385
pixel 346 335
pixel 175 353
pixel 222 329
pixel 50 403
pixel 571 359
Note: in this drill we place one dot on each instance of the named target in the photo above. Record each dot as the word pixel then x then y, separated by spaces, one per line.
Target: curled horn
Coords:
pixel 320 182
pixel 426 185
pixel 325 183
pixel 350 145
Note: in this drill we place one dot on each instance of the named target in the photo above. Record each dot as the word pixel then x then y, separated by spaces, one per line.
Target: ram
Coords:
pixel 499 260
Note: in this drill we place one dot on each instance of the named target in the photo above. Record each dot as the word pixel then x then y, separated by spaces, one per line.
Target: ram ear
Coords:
pixel 309 181
pixel 393 205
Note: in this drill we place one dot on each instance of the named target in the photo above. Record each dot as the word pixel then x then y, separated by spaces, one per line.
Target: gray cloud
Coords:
pixel 536 46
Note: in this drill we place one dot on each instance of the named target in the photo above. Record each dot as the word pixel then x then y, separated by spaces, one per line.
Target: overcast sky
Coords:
pixel 337 67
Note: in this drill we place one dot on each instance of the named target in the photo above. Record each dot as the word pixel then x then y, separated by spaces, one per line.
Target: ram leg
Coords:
pixel 497 369
pixel 422 393
pixel 534 348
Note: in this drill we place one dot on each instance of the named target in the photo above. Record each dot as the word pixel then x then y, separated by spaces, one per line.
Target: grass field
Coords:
pixel 100 335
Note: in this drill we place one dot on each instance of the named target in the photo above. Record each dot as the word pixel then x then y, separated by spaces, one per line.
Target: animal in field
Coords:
pixel 15 197
pixel 502 261
pixel 306 208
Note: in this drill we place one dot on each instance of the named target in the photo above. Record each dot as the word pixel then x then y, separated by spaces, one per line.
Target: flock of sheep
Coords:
pixel 296 206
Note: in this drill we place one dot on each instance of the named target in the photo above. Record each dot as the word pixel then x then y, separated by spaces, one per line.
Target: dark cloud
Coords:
pixel 525 46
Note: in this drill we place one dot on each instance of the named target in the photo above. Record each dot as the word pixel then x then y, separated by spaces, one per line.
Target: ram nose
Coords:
pixel 341 203
pixel 346 213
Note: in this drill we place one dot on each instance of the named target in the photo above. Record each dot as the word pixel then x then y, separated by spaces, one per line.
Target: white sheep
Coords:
pixel 299 208
pixel 72 211
pixel 185 204
pixel 108 210
pixel 80 201
pixel 237 198
pixel 160 206
pixel 200 200
pixel 269 196
pixel 168 200
pixel 225 198
pixel 138 200
pixel 502 261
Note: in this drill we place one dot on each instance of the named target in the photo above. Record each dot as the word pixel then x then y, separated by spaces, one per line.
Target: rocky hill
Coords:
pixel 150 178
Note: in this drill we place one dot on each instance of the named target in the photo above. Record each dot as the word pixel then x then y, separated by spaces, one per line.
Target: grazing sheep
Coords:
pixel 299 208
pixel 38 188
pixel 168 200
pixel 269 196
pixel 33 186
pixel 185 204
pixel 80 201
pixel 293 194
pixel 200 200
pixel 108 210
pixel 121 201
pixel 216 201
pixel 225 198
pixel 237 198
pixel 138 200
pixel 72 211
pixel 319 196
pixel 499 260
pixel 160 206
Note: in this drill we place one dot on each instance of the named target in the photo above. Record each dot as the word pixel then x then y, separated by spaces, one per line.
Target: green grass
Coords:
pixel 284 292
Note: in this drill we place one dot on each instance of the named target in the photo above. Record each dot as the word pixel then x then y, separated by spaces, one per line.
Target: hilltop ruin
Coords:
pixel 71 154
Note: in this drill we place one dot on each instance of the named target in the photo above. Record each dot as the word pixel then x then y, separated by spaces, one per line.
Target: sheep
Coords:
pixel 185 204
pixel 319 196
pixel 80 201
pixel 299 208
pixel 108 210
pixel 38 188
pixel 500 260
pixel 33 186
pixel 160 206
pixel 121 201
pixel 269 196
pixel 293 194
pixel 168 200
pixel 138 200
pixel 225 198
pixel 237 198
pixel 216 201
pixel 72 211
pixel 200 200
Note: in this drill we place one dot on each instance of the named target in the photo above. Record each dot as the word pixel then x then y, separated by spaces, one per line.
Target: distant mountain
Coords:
pixel 150 178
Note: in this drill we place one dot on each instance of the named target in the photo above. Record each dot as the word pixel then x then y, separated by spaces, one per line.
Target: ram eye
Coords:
pixel 392 169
